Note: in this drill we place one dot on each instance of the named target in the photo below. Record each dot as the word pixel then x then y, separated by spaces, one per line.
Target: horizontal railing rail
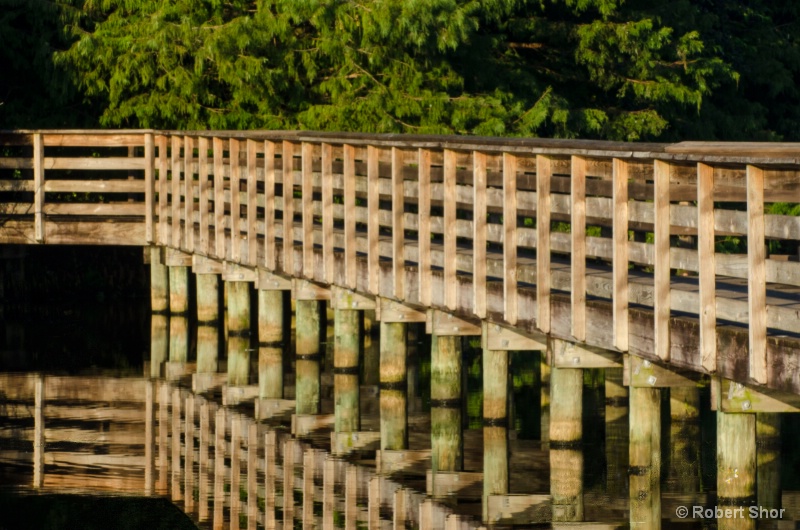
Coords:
pixel 694 229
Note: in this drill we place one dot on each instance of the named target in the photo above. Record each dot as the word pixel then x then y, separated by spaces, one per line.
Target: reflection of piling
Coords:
pixel 207 299
pixel 178 339
pixel 219 469
pixel 645 458
pixel 446 434
pixel 270 344
pixel 159 343
pixel 495 425
pixel 252 476
pixel 684 440
pixel 768 447
pixel 544 370
pixel 307 323
pixel 616 419
pixel 207 349
pixel 203 471
pixel 371 348
pixel 188 429
pixel 238 333
pixel 163 419
pixel 346 349
pixel 270 471
pixel 149 437
pixel 736 467
pixel 566 434
pixel 179 290
pixel 393 385
pixel 177 494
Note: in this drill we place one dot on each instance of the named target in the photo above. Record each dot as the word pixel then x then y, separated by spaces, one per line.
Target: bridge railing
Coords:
pixel 622 246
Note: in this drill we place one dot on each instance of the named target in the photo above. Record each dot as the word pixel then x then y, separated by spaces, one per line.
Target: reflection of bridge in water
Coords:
pixel 602 255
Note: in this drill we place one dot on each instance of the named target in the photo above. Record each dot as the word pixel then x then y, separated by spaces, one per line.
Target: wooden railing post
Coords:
pixel 269 205
pixel 307 186
pixel 149 188
pixel 219 199
pixel 707 267
pixel 175 239
pixel 163 204
pixel 287 160
pixel 204 184
pixel 510 238
pixel 661 267
pixel 188 193
pixel 479 227
pixel 543 176
pixel 620 254
pixel 38 187
pixel 449 229
pixel 252 202
pixel 373 214
pixel 350 216
pixel 327 213
pixel 756 281
pixel 423 225
pixel 578 250
pixel 398 226
pixel 236 211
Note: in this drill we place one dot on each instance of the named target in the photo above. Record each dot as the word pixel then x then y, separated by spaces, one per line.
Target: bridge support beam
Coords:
pixel 447 440
pixel 307 384
pixel 566 439
pixel 736 468
pixel 645 457
pixel 495 425
pixel 346 351
pixel 393 386
pixel 238 333
pixel 271 344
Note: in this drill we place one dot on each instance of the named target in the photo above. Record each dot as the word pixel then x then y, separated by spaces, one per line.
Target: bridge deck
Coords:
pixel 615 245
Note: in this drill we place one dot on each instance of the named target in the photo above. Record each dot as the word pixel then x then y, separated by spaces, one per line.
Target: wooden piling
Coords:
pixel 645 458
pixel 684 440
pixel 736 468
pixel 371 350
pixel 307 323
pixel 566 438
pixel 179 290
pixel 495 425
pixel 270 344
pixel 159 283
pixel 346 350
pixel 616 420
pixel 207 299
pixel 768 459
pixel 393 386
pixel 159 343
pixel 238 333
pixel 446 435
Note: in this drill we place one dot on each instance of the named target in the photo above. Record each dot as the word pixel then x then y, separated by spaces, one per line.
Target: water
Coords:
pixel 118 445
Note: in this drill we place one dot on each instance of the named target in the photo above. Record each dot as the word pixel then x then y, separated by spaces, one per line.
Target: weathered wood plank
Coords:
pixel 543 177
pixel 94 139
pixel 707 276
pixel 188 192
pixel 661 270
pixel 235 198
pixel 204 185
pixel 424 226
pixel 175 192
pixel 269 206
pixel 307 198
pixel 252 202
pixel 110 209
pixel 38 187
pixel 449 228
pixel 398 232
pixel 219 198
pixel 479 227
pixel 287 161
pixel 112 163
pixel 756 283
pixel 511 303
pixel 149 187
pixel 620 254
pixel 349 216
pixel 578 241
pixel 327 212
pixel 373 226
pixel 95 186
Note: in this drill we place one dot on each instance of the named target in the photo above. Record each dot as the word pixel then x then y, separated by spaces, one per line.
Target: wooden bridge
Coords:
pixel 604 255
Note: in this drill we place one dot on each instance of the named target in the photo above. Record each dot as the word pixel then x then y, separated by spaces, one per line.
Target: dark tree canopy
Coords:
pixel 613 69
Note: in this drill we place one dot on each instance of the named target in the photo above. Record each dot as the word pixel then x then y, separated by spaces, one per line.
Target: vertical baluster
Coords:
pixel 373 214
pixel 236 469
pixel 398 226
pixel 270 475
pixel 149 437
pixel 177 493
pixel 424 225
pixel 162 188
pixel 38 431
pixel 163 415
pixel 203 475
pixel 307 187
pixel 38 187
pixel 479 227
pixel 544 175
pixel 350 216
pixel 449 229
pixel 288 207
pixel 327 211
pixel 510 237
pixel 308 488
pixel 219 198
pixel 252 474
pixel 149 188
pixel 269 205
pixel 236 209
pixel 188 194
pixel 219 468
pixel 252 202
pixel 620 254
pixel 188 430
pixel 661 269
pixel 578 254
pixel 204 185
pixel 175 237
pixel 707 266
pixel 288 484
pixel 756 280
